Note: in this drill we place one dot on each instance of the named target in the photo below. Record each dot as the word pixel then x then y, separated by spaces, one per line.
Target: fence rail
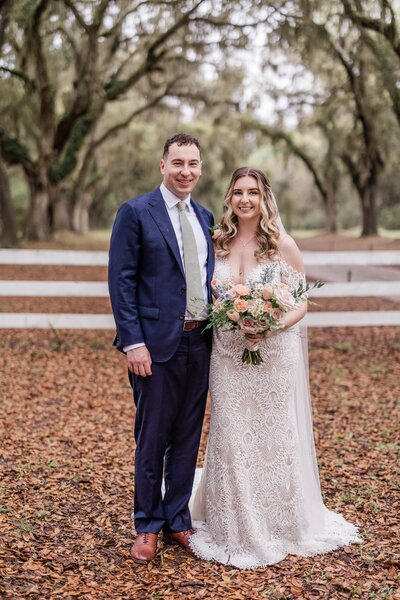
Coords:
pixel 99 289
pixel 93 259
pixel 102 321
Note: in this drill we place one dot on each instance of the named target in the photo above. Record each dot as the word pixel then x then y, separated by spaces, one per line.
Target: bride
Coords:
pixel 259 496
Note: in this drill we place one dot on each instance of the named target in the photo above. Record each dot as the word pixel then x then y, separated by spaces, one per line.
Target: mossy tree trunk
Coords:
pixel 8 227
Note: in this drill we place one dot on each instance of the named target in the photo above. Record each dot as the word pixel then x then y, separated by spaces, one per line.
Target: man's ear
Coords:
pixel 162 166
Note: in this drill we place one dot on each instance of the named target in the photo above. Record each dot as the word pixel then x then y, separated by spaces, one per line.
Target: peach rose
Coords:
pixel 276 314
pixel 267 307
pixel 233 315
pixel 248 325
pixel 285 298
pixel 267 291
pixel 242 290
pixel 240 304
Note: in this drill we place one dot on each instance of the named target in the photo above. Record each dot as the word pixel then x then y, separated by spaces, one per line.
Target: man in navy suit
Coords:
pixel 167 351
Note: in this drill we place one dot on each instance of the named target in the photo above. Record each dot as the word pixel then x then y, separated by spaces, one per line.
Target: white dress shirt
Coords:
pixel 171 204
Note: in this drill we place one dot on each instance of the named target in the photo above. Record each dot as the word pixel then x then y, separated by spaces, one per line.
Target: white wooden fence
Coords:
pixel 99 289
pixel 93 259
pixel 29 288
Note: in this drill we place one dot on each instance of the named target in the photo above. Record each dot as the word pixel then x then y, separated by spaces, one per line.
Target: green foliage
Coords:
pixel 114 88
pixel 67 164
pixel 23 11
pixel 343 347
pixel 25 525
pixel 390 217
pixel 14 152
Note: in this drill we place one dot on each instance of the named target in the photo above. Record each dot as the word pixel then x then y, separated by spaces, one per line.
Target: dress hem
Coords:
pixel 205 549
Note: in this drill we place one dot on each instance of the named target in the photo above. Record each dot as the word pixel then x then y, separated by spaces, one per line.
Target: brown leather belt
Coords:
pixel 192 325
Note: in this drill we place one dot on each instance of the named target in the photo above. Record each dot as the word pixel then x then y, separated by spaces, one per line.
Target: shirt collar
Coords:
pixel 170 199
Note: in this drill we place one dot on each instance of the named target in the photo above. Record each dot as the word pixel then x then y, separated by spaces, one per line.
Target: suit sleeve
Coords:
pixel 124 257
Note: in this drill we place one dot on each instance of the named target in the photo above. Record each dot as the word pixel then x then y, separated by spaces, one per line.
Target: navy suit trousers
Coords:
pixel 170 407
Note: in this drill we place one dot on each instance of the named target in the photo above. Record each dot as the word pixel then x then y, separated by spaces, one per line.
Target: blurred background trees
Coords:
pixel 308 91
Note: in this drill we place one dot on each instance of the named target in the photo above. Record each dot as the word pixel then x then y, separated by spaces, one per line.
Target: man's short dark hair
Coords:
pixel 181 139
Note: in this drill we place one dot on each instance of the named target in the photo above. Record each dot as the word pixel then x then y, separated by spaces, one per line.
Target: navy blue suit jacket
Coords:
pixel 146 276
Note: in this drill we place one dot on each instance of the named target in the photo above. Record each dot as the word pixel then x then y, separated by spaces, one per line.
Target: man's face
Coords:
pixel 181 169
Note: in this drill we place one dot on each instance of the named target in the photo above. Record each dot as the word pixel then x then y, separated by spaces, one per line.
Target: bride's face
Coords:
pixel 246 199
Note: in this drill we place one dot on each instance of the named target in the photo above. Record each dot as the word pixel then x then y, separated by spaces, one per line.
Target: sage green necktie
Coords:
pixel 195 305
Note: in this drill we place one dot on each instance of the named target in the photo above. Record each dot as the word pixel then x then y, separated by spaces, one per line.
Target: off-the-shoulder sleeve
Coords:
pixel 290 276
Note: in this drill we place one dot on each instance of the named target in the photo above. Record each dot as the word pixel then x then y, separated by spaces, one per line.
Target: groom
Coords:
pixel 160 268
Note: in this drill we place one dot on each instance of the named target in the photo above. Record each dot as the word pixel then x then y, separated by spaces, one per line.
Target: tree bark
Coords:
pixel 330 207
pixel 365 180
pixel 48 211
pixel 8 235
pixel 38 220
pixel 80 215
pixel 369 211
pixel 60 217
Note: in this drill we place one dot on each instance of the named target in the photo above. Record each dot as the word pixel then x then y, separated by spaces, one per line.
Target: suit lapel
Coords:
pixel 159 213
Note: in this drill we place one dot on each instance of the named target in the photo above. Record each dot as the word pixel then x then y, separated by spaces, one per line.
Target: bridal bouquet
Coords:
pixel 255 309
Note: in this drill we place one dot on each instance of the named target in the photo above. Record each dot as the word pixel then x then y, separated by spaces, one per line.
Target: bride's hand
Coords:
pixel 277 331
pixel 255 338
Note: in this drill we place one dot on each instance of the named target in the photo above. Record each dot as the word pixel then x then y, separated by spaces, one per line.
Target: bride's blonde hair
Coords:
pixel 267 233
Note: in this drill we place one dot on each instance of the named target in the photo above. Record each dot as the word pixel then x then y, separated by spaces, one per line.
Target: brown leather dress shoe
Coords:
pixel 145 547
pixel 181 538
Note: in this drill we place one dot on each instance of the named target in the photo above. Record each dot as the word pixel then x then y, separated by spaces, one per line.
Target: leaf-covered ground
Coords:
pixel 66 461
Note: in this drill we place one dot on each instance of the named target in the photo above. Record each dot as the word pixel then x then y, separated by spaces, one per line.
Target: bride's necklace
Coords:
pixel 244 244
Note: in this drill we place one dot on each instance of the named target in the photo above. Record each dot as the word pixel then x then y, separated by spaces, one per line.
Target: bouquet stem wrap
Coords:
pixel 252 357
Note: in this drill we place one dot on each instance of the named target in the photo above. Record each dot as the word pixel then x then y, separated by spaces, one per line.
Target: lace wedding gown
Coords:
pixel 259 495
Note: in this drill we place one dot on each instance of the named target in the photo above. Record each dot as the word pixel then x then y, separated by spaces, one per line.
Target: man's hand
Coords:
pixel 139 361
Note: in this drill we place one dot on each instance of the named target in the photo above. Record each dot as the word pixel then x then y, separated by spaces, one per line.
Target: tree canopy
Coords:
pixel 90 89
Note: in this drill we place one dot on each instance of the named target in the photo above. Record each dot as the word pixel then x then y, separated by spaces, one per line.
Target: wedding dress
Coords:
pixel 259 497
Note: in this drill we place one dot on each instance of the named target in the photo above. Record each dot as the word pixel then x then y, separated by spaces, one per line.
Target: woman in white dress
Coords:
pixel 259 496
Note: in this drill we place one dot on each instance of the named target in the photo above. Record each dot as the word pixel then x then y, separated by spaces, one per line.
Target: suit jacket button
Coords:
pixel 183 290
pixel 181 317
